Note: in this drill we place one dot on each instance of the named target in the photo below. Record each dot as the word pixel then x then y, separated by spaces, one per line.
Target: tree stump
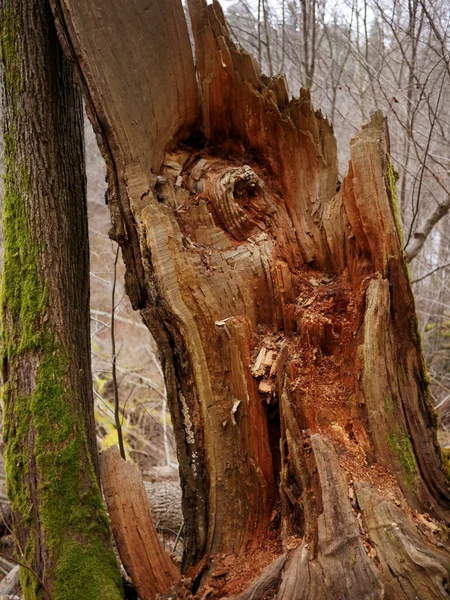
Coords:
pixel 282 309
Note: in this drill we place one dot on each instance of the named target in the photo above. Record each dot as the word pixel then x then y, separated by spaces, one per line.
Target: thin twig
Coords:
pixel 178 537
pixel 431 273
pixel 35 575
pixel 114 361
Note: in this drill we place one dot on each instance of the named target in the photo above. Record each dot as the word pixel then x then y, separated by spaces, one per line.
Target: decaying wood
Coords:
pixel 140 549
pixel 282 309
pixel 411 567
pixel 339 566
pixel 394 384
pixel 264 586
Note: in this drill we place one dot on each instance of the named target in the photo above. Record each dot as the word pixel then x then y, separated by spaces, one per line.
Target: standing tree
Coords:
pixel 60 525
pixel 282 310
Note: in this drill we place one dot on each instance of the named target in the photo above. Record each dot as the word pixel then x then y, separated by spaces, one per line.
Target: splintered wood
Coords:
pixel 150 568
pixel 282 308
pixel 263 362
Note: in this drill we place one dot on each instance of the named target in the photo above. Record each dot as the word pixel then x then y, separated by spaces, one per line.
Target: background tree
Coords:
pixel 282 310
pixel 60 525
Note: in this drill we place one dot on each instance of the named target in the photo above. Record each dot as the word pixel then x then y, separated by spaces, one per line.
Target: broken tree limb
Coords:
pixel 165 504
pixel 149 567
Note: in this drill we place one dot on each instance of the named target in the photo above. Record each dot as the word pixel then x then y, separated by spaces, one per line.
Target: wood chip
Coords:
pixel 266 387
pixel 432 526
pixel 233 411
pixel 259 367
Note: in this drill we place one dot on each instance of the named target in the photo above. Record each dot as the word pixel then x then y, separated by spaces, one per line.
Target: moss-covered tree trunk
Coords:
pixel 60 525
pixel 282 309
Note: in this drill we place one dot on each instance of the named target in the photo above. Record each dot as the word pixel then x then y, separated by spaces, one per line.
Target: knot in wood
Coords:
pixel 238 200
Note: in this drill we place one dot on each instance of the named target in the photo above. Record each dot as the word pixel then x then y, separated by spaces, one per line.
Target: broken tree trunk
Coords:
pixel 139 546
pixel 282 309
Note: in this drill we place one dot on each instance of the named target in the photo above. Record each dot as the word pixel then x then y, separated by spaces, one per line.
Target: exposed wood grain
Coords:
pixel 339 566
pixel 165 503
pixel 393 388
pixel 150 76
pixel 140 549
pixel 283 310
pixel 412 568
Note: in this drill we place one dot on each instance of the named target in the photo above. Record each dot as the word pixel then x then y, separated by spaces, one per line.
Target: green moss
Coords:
pixel 23 295
pixel 86 562
pixel 389 405
pixel 19 277
pixel 391 180
pixel 445 533
pixel 445 455
pixel 8 55
pixel 45 430
pixel 425 378
pixel 400 444
pixel 72 517
pixel 407 270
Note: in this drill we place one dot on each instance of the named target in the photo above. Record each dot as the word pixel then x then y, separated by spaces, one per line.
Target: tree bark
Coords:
pixel 60 525
pixel 282 309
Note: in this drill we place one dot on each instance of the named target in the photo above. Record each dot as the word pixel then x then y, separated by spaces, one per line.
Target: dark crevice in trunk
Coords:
pixel 274 429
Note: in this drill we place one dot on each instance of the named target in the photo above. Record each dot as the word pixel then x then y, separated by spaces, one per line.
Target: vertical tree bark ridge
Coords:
pixel 139 546
pixel 282 310
pixel 49 433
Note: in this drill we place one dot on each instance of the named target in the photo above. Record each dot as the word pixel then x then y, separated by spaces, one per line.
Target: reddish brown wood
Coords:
pixel 282 308
pixel 139 546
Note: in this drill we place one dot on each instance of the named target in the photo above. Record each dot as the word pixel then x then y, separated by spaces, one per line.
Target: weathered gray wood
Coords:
pixel 10 582
pixel 339 566
pixel 150 76
pixel 6 565
pixel 411 566
pixel 165 503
